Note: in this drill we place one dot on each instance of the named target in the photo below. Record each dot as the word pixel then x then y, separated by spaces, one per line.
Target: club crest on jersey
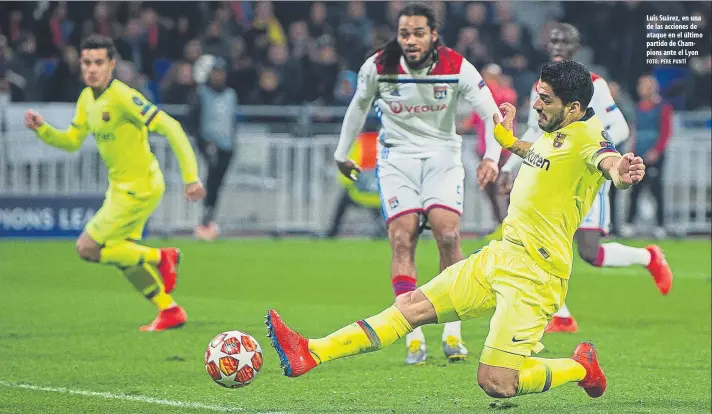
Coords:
pixel 440 92
pixel 393 202
pixel 559 140
pixel 105 116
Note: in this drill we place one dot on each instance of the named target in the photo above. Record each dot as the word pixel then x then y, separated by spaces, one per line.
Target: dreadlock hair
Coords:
pixel 392 52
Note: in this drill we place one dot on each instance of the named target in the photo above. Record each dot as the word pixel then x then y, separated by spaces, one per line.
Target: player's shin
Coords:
pixel 366 335
pixel 146 280
pixel 126 254
pixel 538 375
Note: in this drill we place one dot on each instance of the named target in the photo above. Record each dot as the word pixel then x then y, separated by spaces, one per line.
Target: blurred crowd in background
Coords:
pixel 282 53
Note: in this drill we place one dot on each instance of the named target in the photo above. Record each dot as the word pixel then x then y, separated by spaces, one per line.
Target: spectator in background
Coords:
pixel 15 27
pixel 178 86
pixel 4 85
pixel 225 16
pixel 215 121
pixel 242 75
pixel 323 69
pixel 345 88
pixel 23 71
pixel 653 126
pixel 288 71
pixel 476 16
pixel 180 36
pixel 699 81
pixel 66 83
pixel 356 28
pixel 318 25
pixel 270 90
pixel 102 23
pixel 469 45
pixel 60 28
pixel 127 73
pixel 132 47
pixel 154 32
pixel 266 30
pixel 299 41
pixel 192 51
pixel 214 42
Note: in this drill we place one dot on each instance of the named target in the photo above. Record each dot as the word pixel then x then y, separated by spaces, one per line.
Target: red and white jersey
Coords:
pixel 418 107
pixel 603 105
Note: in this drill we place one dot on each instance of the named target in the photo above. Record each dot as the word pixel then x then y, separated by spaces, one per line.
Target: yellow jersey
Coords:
pixel 120 119
pixel 554 190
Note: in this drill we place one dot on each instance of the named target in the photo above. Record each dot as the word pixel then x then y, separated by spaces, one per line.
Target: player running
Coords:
pixel 525 276
pixel 416 83
pixel 563 44
pixel 120 118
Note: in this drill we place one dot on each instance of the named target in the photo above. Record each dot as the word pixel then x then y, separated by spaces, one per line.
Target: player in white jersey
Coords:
pixel 415 84
pixel 563 43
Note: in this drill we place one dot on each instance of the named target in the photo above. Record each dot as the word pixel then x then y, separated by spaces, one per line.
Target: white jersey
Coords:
pixel 418 108
pixel 603 105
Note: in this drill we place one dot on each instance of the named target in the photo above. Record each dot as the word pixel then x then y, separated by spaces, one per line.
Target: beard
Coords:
pixel 553 123
pixel 423 61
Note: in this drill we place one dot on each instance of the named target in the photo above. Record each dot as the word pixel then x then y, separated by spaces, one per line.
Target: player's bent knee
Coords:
pixel 496 387
pixel 416 308
pixel 88 251
pixel 588 253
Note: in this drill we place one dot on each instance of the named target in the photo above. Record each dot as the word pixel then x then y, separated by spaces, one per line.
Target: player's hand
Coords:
pixel 509 112
pixel 195 191
pixel 652 156
pixel 33 120
pixel 631 169
pixel 506 182
pixel 349 169
pixel 487 172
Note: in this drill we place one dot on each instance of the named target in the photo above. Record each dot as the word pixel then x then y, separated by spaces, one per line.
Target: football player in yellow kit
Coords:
pixel 524 277
pixel 120 119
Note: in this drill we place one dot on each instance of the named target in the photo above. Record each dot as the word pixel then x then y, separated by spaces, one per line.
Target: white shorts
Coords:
pixel 408 184
pixel 599 217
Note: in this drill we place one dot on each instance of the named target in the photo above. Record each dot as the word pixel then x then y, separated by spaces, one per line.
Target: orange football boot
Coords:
pixel 562 324
pixel 168 267
pixel 173 317
pixel 594 383
pixel 660 269
pixel 292 348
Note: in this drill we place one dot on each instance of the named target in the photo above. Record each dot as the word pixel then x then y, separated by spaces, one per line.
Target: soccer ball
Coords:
pixel 233 359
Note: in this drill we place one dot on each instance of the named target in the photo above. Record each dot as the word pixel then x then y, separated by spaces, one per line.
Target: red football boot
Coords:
pixel 292 348
pixel 170 318
pixel 594 383
pixel 562 324
pixel 168 268
pixel 659 269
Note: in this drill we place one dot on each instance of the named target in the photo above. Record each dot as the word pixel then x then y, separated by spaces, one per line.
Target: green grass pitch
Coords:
pixel 69 339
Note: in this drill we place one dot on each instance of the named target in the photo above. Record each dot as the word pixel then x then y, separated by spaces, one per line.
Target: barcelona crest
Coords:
pixel 559 140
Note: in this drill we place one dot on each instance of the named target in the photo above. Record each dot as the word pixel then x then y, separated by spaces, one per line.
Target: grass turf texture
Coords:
pixel 69 333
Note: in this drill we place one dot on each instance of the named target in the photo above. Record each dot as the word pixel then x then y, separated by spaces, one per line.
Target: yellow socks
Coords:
pixel 146 280
pixel 363 336
pixel 540 375
pixel 124 254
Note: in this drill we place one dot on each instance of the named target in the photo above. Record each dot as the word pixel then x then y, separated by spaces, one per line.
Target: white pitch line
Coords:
pixel 125 397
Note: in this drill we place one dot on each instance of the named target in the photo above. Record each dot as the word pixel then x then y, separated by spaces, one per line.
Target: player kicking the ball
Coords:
pixel 416 84
pixel 119 118
pixel 563 44
pixel 525 276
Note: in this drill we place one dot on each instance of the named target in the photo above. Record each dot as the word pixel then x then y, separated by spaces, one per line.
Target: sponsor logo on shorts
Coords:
pixel 393 202
pixel 440 92
pixel 515 339
pixel 543 253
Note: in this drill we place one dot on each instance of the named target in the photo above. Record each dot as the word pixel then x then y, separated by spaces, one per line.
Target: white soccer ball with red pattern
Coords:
pixel 233 359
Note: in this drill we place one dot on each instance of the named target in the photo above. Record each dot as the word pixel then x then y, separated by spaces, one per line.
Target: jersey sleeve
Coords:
pixel 595 151
pixel 608 112
pixel 366 90
pixel 476 92
pixel 137 108
pixel 72 138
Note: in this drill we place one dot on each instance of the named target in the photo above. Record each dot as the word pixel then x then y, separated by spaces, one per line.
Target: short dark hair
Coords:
pixel 570 81
pixel 96 41
pixel 390 58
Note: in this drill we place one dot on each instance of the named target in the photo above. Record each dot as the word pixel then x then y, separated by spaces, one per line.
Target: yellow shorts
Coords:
pixel 502 276
pixel 123 215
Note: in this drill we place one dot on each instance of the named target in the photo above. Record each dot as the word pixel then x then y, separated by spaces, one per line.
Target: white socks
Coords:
pixel 416 335
pixel 563 312
pixel 450 329
pixel 618 255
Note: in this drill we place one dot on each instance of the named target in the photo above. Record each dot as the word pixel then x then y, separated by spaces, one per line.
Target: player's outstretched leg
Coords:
pixel 298 355
pixel 504 375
